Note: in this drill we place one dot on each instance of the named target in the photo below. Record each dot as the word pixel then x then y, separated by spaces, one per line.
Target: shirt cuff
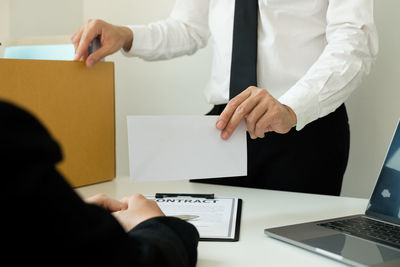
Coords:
pixel 304 102
pixel 140 32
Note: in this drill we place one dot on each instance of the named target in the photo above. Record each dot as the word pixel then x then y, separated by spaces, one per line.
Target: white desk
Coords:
pixel 261 209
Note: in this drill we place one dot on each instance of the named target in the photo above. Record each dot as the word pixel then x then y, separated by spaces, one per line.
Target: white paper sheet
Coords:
pixel 183 147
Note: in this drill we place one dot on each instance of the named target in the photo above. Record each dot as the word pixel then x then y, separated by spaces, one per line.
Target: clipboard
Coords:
pixel 216 218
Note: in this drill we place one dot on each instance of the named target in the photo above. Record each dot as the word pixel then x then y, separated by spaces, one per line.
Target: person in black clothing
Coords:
pixel 45 222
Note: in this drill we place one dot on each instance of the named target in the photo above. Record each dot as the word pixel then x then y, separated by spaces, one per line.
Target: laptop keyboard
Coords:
pixel 363 227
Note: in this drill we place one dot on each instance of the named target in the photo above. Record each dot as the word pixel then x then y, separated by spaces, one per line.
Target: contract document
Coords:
pixel 216 219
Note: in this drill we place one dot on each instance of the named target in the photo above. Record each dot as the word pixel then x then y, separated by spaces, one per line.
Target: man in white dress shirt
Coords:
pixel 311 55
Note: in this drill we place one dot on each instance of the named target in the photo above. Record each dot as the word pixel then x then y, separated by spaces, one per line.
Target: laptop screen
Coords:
pixel 385 200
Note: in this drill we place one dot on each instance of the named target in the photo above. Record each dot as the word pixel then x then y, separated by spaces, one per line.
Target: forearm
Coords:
pixel 350 52
pixel 183 33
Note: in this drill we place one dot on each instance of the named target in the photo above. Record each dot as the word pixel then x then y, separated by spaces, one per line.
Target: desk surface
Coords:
pixel 261 209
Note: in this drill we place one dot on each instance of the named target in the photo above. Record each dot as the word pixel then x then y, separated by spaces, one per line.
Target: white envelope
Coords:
pixel 182 148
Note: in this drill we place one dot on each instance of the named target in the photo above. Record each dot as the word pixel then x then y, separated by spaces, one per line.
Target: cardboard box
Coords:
pixel 76 104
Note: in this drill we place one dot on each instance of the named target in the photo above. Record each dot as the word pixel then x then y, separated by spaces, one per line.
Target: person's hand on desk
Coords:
pixel 129 211
pixel 107 203
pixel 112 39
pixel 262 112
pixel 139 209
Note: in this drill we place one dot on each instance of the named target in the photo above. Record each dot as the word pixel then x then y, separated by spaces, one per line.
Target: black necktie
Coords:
pixel 244 48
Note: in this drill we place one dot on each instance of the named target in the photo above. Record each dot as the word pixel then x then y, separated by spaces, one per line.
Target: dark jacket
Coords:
pixel 46 223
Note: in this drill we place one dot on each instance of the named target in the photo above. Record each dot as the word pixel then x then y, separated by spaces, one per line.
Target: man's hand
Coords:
pixel 139 209
pixel 112 39
pixel 262 113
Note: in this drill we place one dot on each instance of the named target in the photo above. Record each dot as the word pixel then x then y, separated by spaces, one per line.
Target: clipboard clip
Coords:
pixel 165 195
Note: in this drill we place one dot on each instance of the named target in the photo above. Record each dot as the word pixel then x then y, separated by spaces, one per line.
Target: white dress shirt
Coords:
pixel 311 53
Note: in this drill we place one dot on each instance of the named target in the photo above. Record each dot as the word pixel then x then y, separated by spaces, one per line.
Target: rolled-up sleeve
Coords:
pixel 352 47
pixel 184 32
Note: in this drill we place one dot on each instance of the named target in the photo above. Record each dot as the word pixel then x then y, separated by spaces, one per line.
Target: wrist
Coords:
pixel 127 38
pixel 292 115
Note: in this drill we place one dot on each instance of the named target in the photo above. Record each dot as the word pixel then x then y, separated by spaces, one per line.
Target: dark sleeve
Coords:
pixel 44 219
pixel 164 239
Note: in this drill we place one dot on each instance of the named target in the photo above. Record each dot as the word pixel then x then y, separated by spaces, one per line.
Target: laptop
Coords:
pixel 370 239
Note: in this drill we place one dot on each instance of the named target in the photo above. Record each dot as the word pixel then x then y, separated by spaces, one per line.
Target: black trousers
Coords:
pixel 312 160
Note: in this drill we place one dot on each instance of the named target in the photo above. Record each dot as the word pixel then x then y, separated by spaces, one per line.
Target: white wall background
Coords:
pixel 4 22
pixel 374 108
pixel 176 86
pixel 44 17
